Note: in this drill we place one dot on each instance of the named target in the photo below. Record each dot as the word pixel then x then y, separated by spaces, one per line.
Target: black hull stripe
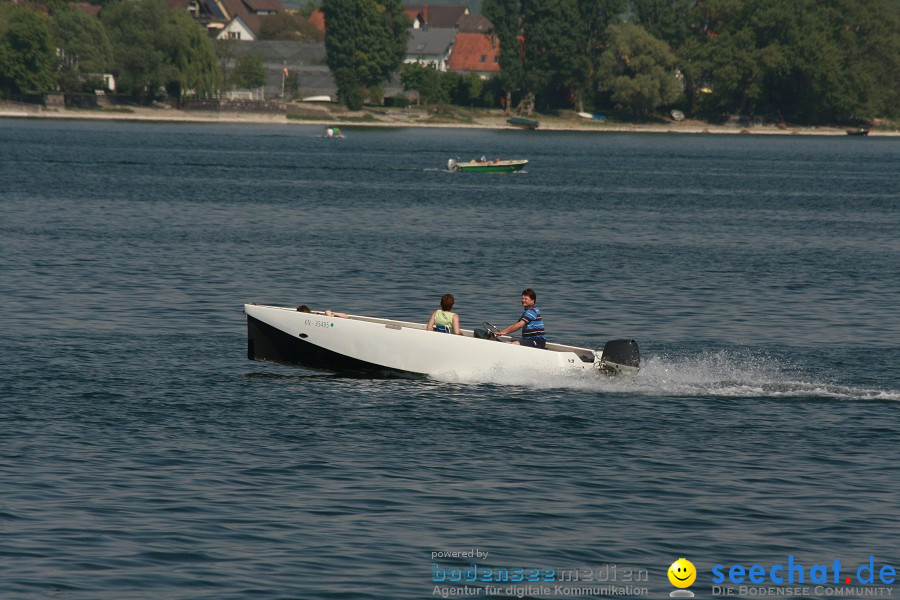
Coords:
pixel 267 343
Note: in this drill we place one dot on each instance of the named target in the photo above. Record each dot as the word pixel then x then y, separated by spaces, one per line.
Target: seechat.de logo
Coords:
pixel 795 572
pixel 682 574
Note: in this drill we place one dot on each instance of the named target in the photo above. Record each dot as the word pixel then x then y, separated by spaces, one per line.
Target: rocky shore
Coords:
pixel 331 115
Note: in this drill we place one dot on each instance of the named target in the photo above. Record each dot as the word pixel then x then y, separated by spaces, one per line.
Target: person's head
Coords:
pixel 529 298
pixel 447 301
pixel 303 308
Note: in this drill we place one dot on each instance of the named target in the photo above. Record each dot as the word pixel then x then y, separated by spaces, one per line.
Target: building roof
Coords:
pixel 85 7
pixel 476 52
pixel 286 53
pixel 430 42
pixel 474 23
pixel 248 11
pixel 440 16
pixel 264 6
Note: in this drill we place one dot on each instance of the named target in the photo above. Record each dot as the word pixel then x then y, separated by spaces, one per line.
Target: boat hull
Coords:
pixel 498 166
pixel 523 123
pixel 385 347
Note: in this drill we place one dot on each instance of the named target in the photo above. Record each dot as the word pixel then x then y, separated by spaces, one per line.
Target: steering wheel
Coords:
pixel 492 329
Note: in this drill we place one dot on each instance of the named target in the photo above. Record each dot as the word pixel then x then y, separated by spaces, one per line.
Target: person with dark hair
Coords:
pixel 531 323
pixel 328 313
pixel 444 319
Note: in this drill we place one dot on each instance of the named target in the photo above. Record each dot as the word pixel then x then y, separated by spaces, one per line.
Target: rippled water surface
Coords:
pixel 142 455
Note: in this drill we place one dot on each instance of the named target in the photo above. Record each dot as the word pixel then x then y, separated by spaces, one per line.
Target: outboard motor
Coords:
pixel 620 357
pixel 451 166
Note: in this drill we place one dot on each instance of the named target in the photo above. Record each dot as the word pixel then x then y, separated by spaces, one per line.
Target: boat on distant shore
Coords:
pixel 591 116
pixel 361 345
pixel 858 131
pixel 486 166
pixel 523 122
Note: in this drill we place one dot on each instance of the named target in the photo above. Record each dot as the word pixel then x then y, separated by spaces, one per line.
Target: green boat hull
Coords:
pixel 523 122
pixel 492 168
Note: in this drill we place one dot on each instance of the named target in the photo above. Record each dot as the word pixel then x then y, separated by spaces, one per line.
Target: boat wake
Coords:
pixel 722 374
pixel 707 374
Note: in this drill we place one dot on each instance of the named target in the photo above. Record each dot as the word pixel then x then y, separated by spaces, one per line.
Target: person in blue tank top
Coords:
pixel 531 323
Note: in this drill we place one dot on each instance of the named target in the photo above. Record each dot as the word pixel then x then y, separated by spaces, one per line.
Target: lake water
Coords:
pixel 143 456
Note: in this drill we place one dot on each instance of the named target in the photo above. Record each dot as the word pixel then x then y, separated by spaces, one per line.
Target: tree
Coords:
pixel 194 57
pixel 549 49
pixel 595 16
pixel 554 52
pixel 799 60
pixel 85 52
pixel 469 90
pixel 226 50
pixel 506 16
pixel 157 49
pixel 432 86
pixel 639 71
pixel 365 42
pixel 27 53
pixel 249 72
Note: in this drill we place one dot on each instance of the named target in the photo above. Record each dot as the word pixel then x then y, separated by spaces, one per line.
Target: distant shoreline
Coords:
pixel 399 118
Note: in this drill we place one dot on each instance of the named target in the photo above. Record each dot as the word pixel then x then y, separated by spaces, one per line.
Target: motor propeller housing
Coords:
pixel 620 357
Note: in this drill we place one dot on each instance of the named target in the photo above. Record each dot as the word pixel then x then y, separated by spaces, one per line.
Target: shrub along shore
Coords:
pixel 454 117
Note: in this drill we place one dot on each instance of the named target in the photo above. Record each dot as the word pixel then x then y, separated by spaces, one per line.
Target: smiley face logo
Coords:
pixel 682 573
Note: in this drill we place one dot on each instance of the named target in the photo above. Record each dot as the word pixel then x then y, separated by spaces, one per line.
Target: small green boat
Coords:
pixel 486 166
pixel 523 122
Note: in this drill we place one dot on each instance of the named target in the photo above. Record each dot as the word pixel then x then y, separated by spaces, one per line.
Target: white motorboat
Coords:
pixel 357 344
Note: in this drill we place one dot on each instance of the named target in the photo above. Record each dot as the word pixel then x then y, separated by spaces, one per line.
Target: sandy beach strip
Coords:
pixel 404 118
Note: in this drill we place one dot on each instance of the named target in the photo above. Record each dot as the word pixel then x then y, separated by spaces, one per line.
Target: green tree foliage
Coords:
pixel 226 52
pixel 639 71
pixel 554 51
pixel 285 26
pixel 469 90
pixel 85 52
pixel 249 72
pixel 157 49
pixel 27 53
pixel 437 87
pixel 549 49
pixel 194 56
pixel 667 20
pixel 595 18
pixel 365 43
pixel 506 16
pixel 800 60
pixel 430 84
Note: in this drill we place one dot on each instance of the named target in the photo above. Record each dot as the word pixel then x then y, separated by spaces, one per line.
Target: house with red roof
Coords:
pixel 477 53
